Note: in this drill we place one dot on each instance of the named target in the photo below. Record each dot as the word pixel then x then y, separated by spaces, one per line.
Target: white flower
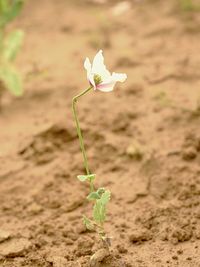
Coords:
pixel 99 77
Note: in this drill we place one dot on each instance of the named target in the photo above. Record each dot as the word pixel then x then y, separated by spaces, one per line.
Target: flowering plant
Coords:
pixel 100 79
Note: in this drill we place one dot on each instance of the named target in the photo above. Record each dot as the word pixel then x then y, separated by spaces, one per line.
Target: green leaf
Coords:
pixel 12 45
pixel 11 79
pixel 15 8
pixel 89 177
pixel 99 212
pixel 96 195
pixel 93 196
pixel 9 10
pixel 105 198
pixel 100 191
pixel 3 6
pixel 82 178
pixel 88 223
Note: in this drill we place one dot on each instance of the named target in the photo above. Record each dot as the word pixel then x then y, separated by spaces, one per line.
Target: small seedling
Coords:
pixel 100 79
pixel 9 47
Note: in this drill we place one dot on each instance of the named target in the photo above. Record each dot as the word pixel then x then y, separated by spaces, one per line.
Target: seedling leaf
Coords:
pixel 93 196
pixel 11 79
pixel 100 191
pixel 99 212
pixel 3 6
pixel 12 45
pixel 105 198
pixel 88 223
pixel 15 9
pixel 84 178
pixel 9 12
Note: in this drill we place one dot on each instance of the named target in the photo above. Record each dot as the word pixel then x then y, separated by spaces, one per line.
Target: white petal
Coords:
pixel 106 87
pixel 88 65
pixel 98 66
pixel 90 76
pixel 119 77
pixel 91 80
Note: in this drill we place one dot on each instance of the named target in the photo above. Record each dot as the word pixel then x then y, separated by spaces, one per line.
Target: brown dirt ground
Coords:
pixel 143 139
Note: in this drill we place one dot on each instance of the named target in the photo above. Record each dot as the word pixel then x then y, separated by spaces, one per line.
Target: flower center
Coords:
pixel 97 79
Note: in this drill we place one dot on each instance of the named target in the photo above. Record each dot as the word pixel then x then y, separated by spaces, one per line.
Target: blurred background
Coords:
pixel 142 139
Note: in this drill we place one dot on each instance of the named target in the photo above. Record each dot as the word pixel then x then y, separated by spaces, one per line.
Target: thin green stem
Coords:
pixel 74 101
pixel 2 37
pixel 91 186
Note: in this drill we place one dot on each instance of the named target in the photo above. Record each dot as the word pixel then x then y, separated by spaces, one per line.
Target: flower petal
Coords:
pixel 106 87
pixel 119 77
pixel 90 76
pixel 88 65
pixel 98 66
pixel 91 80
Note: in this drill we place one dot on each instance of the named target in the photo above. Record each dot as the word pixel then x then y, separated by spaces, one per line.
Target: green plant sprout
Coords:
pixel 9 47
pixel 100 79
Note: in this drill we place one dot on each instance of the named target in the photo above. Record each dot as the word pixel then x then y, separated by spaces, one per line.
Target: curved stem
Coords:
pixel 74 100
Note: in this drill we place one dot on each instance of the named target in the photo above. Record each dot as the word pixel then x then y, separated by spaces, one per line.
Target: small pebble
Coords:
pixel 14 247
pixel 180 251
pixel 189 153
pixel 121 248
pixel 98 257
